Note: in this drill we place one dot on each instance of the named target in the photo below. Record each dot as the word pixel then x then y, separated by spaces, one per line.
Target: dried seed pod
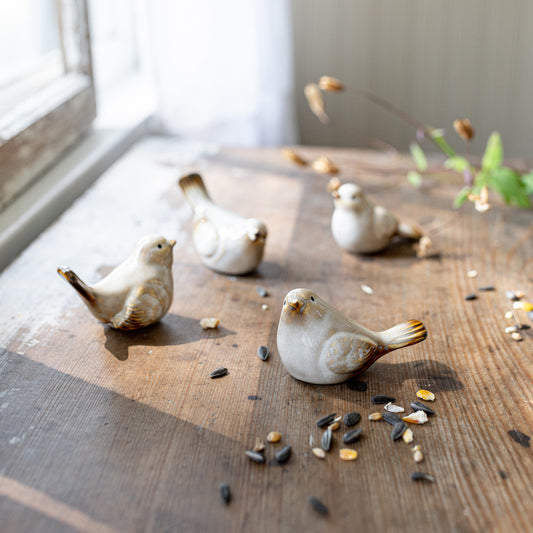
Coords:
pixel 352 436
pixel 323 165
pixel 319 452
pixel 350 419
pixel 209 323
pixel 418 457
pixel 408 436
pixel 425 395
pixel 333 184
pixel 419 406
pixel 381 399
pixel 283 455
pixel 225 492
pixel 398 430
pixel 347 455
pixel 293 156
pixel 219 373
pixel 326 440
pixel 274 436
pixel 464 128
pixel 263 352
pixel 375 416
pixel 422 476
pixel 391 418
pixel 316 101
pixel 326 420
pixel 330 84
pixel 392 408
pixel 255 456
pixel 318 506
pixel 418 417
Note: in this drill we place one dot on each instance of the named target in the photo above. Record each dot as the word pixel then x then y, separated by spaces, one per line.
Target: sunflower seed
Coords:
pixel 262 292
pixel 256 457
pixel 351 436
pixel 419 406
pixel 350 419
pixel 391 418
pixel 425 395
pixel 318 506
pixel 398 430
pixel 225 492
pixel 274 436
pixel 319 452
pixel 326 440
pixel 391 408
pixel 263 352
pixel 326 420
pixel 375 416
pixel 381 399
pixel 471 296
pixel 283 455
pixel 422 476
pixel 418 417
pixel 487 288
pixel 347 455
pixel 219 373
pixel 511 295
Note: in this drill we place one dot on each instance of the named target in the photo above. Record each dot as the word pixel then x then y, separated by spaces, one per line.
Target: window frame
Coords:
pixel 40 128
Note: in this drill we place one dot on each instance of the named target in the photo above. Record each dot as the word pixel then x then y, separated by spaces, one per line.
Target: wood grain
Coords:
pixel 103 430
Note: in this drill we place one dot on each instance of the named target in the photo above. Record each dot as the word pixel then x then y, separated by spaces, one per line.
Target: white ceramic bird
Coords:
pixel 136 293
pixel 320 345
pixel 226 241
pixel 362 227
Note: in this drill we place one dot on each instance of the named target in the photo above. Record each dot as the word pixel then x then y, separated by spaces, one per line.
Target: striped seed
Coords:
pixel 422 476
pixel 319 452
pixel 381 399
pixel 326 440
pixel 471 296
pixel 350 419
pixel 425 395
pixel 263 352
pixel 419 406
pixel 326 420
pixel 283 455
pixel 347 455
pixel 274 436
pixel 375 416
pixel 225 492
pixel 351 436
pixel 391 418
pixel 318 506
pixel 398 430
pixel 219 373
pixel 255 456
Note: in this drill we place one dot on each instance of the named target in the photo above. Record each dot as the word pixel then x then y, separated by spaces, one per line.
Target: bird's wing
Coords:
pixel 347 352
pixel 143 307
pixel 385 223
pixel 206 238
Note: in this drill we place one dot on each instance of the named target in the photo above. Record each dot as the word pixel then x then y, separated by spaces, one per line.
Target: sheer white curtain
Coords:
pixel 223 70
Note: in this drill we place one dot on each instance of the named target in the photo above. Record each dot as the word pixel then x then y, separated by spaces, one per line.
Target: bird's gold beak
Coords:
pixel 295 305
pixel 171 243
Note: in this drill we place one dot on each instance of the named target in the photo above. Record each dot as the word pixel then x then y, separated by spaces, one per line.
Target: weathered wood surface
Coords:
pixel 108 431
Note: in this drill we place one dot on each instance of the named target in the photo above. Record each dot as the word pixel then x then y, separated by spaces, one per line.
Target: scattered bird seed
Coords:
pixel 319 452
pixel 219 373
pixel 367 289
pixel 350 419
pixel 518 305
pixel 527 307
pixel 418 457
pixel 419 406
pixel 334 427
pixel 381 399
pixel 333 184
pixel 524 326
pixel 425 395
pixel 519 437
pixel 263 352
pixel 225 492
pixel 262 292
pixel 259 446
pixel 486 288
pixel 209 323
pixel 318 506
pixel 519 294
pixel 355 384
pixel 391 418
pixel 418 417
pixel 398 430
pixel 392 408
pixel 509 315
pixel 326 420
pixel 347 455
pixel 516 336
pixel 256 457
pixel 274 436
pixel 471 296
pixel 283 455
pixel 472 273
pixel 530 315
pixel 408 436
pixel 323 165
pixel 511 329
pixel 265 307
pixel 326 440
pixel 352 436
pixel 422 476
pixel 292 155
pixel 511 295
pixel 375 416
pixel 417 447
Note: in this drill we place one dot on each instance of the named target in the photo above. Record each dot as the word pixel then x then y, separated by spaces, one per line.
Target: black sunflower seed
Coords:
pixel 422 476
pixel 263 352
pixel 391 418
pixel 487 288
pixel 350 419
pixel 219 373
pixel 351 436
pixel 471 296
pixel 381 399
pixel 326 440
pixel 261 291
pixel 255 456
pixel 398 430
pixel 326 420
pixel 225 492
pixel 318 506
pixel 419 406
pixel 283 454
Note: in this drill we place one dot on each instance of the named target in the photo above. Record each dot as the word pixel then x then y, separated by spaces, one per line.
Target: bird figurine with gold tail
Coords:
pixel 227 242
pixel 360 226
pixel 136 293
pixel 320 345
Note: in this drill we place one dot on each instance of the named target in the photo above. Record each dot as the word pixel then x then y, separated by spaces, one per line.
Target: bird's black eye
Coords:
pixel 285 302
pixel 312 298
pixel 160 246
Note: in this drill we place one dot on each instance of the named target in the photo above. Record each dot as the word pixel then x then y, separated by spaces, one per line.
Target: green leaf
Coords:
pixel 457 163
pixel 509 185
pixel 419 157
pixel 414 178
pixel 461 197
pixel 493 156
pixel 527 180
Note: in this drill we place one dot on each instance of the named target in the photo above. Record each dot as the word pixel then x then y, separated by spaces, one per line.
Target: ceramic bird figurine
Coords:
pixel 320 345
pixel 226 241
pixel 360 226
pixel 136 293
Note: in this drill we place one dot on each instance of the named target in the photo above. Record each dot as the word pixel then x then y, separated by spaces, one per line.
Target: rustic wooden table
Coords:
pixel 102 430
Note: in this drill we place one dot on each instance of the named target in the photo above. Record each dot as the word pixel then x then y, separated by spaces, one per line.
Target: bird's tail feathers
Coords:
pixel 83 289
pixel 193 187
pixel 409 231
pixel 405 334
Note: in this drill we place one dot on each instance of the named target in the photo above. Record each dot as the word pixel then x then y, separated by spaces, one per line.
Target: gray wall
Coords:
pixel 437 59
